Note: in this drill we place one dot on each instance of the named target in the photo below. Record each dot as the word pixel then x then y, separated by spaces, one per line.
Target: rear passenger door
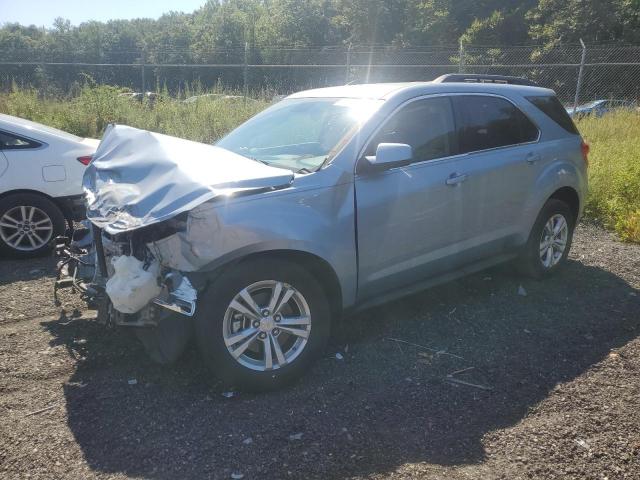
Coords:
pixel 501 160
pixel 18 165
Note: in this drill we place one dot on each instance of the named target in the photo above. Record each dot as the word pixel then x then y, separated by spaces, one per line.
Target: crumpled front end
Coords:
pixel 151 206
pixel 139 178
pixel 120 277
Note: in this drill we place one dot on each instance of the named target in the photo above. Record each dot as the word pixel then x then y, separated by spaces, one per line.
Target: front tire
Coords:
pixel 550 240
pixel 28 225
pixel 165 342
pixel 262 323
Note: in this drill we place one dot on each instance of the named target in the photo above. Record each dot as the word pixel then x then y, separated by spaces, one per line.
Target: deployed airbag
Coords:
pixel 131 287
pixel 138 178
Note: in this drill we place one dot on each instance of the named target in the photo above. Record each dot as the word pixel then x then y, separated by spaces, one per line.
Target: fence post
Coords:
pixel 580 74
pixel 348 71
pixel 142 62
pixel 245 71
pixel 461 57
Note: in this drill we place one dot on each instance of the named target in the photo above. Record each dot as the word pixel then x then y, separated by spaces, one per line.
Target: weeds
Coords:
pixel 614 172
pixel 205 119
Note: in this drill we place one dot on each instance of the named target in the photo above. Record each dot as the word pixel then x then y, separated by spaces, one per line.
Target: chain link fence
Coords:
pixel 574 72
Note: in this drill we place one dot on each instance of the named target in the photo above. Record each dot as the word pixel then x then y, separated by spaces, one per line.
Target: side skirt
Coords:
pixel 432 282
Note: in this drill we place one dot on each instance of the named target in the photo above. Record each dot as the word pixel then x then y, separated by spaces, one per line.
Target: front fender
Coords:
pixel 316 221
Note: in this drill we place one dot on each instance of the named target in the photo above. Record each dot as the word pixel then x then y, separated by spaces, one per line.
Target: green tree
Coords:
pixel 555 22
pixel 370 21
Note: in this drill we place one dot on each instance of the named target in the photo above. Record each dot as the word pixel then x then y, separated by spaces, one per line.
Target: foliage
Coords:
pixel 563 21
pixel 206 119
pixel 232 23
pixel 217 33
pixel 614 172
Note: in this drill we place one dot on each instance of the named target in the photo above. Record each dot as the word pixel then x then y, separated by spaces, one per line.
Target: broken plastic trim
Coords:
pixel 181 300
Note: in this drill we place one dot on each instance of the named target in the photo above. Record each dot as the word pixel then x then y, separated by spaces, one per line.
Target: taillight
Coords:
pixel 85 160
pixel 585 152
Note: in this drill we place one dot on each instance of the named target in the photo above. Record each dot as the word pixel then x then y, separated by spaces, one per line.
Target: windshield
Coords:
pixel 300 134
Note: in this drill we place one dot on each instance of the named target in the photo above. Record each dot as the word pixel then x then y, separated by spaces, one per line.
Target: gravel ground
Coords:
pixel 559 369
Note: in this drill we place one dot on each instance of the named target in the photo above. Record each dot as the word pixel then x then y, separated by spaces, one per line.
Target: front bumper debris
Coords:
pixel 139 297
pixel 181 298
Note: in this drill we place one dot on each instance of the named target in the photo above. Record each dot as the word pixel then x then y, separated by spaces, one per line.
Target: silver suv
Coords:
pixel 329 201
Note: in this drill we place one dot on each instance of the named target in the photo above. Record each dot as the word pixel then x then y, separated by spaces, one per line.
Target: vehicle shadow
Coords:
pixel 12 270
pixel 386 403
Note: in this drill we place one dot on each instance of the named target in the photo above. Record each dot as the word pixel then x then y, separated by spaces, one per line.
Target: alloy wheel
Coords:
pixel 553 240
pixel 267 325
pixel 26 228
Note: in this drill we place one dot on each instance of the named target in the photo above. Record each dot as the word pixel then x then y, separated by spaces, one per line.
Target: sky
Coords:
pixel 43 12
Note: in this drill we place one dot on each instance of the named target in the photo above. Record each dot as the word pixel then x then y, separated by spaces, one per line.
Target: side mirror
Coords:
pixel 389 155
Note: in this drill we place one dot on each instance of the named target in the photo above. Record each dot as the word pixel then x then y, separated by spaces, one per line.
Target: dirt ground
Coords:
pixel 559 369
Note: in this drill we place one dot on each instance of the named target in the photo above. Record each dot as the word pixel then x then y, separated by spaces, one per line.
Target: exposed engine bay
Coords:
pixel 121 271
pixel 118 276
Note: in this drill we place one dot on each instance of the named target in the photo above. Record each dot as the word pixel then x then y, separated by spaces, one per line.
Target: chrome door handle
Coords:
pixel 456 178
pixel 533 158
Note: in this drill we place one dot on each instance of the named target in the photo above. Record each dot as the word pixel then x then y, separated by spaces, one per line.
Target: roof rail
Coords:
pixel 476 78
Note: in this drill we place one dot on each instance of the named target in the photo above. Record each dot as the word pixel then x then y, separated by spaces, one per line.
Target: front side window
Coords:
pixel 300 134
pixel 9 141
pixel 426 125
pixel 489 122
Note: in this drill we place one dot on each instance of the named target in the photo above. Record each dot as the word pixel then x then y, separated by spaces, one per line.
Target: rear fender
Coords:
pixel 556 175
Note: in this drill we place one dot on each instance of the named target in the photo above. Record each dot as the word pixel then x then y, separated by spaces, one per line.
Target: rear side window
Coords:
pixel 9 141
pixel 489 122
pixel 552 108
pixel 427 125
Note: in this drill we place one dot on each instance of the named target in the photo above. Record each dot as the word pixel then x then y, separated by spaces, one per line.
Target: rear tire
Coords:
pixel 28 224
pixel 550 240
pixel 259 336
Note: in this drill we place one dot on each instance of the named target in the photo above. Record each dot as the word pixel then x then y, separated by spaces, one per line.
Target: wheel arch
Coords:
pixel 319 268
pixel 569 196
pixel 65 211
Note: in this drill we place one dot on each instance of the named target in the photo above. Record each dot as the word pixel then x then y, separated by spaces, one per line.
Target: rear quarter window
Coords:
pixel 486 122
pixel 552 108
pixel 9 141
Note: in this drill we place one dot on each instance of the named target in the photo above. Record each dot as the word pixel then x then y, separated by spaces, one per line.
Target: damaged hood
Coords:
pixel 138 178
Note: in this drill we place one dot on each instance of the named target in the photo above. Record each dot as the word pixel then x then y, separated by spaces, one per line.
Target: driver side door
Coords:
pixel 411 219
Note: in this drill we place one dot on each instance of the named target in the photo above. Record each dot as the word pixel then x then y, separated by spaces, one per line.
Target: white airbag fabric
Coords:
pixel 131 287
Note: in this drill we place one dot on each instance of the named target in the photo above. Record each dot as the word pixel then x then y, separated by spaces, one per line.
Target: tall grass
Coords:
pixel 614 174
pixel 94 107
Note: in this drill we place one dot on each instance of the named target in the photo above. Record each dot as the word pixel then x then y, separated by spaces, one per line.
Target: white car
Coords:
pixel 41 172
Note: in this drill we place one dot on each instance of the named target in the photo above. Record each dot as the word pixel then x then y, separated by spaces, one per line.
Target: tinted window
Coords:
pixel 426 125
pixel 14 142
pixel 490 122
pixel 553 109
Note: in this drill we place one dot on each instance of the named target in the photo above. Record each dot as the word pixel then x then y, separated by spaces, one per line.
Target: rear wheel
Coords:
pixel 28 224
pixel 260 325
pixel 550 240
